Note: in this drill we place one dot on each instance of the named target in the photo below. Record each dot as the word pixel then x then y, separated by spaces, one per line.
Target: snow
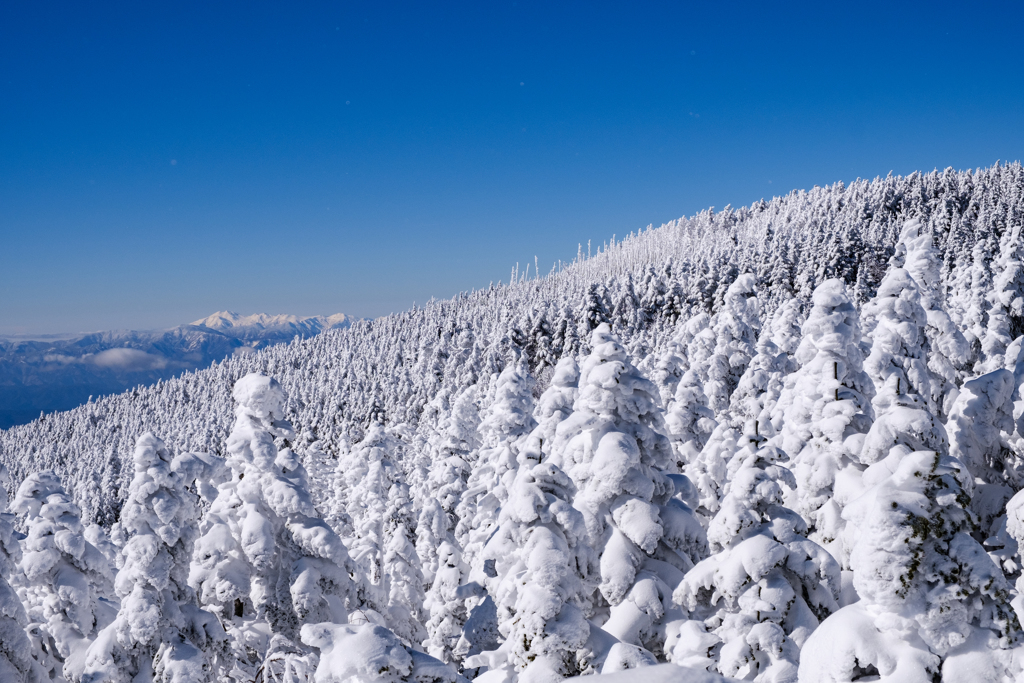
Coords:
pixel 778 443
pixel 662 673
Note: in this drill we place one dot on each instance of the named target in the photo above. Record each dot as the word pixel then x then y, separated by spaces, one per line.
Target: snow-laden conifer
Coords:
pixel 709 469
pixel 899 345
pixel 701 344
pixel 540 576
pixel 372 474
pixel 67 586
pixel 406 595
pixel 1006 300
pixel 17 663
pixel 689 420
pixel 897 365
pixel 759 389
pixel 948 349
pixel 614 450
pixel 265 563
pixel 455 452
pixel 752 604
pixel 555 404
pixel 445 605
pixel 736 327
pixel 824 410
pixel 159 634
pixel 362 651
pixel 671 365
pixel 505 423
pixel 786 333
pixel 933 605
pixel 389 580
pixel 980 417
pixel 967 301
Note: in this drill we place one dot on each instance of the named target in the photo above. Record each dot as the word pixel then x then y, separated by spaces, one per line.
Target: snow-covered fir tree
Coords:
pixel 265 563
pixel 159 634
pixel 1006 300
pixel 371 475
pixel 445 604
pixel 736 327
pixel 507 420
pixel 752 604
pixel 66 583
pixel 824 411
pixel 614 450
pixel 948 349
pixel 689 420
pixel 542 576
pixel 555 404
pixel 17 663
pixel 933 605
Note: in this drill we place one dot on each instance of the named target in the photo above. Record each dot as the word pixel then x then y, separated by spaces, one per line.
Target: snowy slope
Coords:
pixel 264 328
pixel 779 443
pixel 44 375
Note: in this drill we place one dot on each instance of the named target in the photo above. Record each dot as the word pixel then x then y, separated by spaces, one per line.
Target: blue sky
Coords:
pixel 160 161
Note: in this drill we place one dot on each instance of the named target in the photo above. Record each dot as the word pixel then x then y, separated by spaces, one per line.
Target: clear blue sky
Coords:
pixel 160 161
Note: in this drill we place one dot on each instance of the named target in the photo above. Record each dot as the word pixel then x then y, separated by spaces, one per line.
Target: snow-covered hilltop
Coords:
pixel 263 327
pixel 778 443
pixel 39 375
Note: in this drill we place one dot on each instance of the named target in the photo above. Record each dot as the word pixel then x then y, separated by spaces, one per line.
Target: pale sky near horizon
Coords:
pixel 162 161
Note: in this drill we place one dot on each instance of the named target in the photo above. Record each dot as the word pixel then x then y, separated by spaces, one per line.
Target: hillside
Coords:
pixel 732 435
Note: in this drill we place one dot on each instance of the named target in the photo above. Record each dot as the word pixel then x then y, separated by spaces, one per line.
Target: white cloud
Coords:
pixel 126 359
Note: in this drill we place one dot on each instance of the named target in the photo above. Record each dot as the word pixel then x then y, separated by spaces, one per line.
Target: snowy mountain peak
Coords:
pixel 229 320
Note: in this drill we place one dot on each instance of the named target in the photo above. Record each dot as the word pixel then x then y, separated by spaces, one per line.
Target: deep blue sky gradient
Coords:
pixel 160 161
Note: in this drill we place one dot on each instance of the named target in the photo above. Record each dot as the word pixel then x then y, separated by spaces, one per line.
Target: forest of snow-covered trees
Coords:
pixel 778 443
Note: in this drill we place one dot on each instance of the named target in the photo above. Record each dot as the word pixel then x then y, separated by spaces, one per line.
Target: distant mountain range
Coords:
pixel 44 374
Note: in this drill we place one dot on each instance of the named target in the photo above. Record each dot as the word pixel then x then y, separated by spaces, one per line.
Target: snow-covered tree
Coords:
pixel 505 423
pixel 933 605
pixel 447 609
pixel 455 454
pixel 948 349
pixel 701 345
pixel 968 302
pixel 614 450
pixel 671 364
pixel 542 569
pixel 689 420
pixel 265 563
pixel 159 633
pixel 360 652
pixel 406 596
pixel 709 470
pixel 736 327
pixel 824 410
pixel 897 365
pixel 980 416
pixel 899 346
pixel 17 663
pixel 759 389
pixel 1006 300
pixel 555 404
pixel 786 333
pixel 753 602
pixel 372 474
pixel 389 579
pixel 67 581
pixel 431 532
